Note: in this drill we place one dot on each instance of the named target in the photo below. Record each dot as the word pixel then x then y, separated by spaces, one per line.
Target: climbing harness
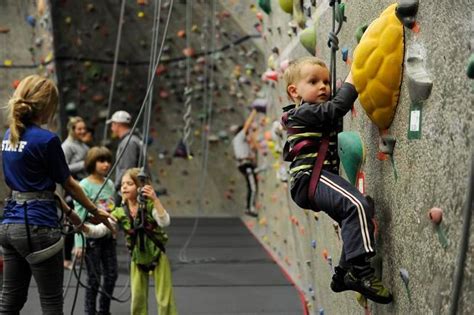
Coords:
pixel 36 257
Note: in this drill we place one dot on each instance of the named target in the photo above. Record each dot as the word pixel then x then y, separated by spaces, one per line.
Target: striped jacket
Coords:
pixel 316 120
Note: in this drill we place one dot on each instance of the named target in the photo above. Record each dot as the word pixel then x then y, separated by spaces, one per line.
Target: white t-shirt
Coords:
pixel 241 146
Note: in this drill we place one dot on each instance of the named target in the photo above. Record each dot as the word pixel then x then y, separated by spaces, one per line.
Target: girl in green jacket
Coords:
pixel 143 224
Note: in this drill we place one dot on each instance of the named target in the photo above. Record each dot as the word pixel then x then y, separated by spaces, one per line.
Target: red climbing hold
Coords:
pixel 436 215
pixel 15 84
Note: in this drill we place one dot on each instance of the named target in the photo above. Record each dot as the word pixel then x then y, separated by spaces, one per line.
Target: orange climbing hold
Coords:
pixel 181 33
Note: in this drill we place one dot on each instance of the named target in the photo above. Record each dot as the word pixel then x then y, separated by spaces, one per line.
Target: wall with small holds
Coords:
pixel 26 47
pixel 222 72
pixel 428 168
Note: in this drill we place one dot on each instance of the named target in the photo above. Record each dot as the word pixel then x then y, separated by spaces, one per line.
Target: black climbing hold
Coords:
pixel 406 12
pixel 387 144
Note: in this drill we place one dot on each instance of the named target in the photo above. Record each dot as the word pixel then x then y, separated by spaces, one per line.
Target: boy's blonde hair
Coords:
pixel 293 73
pixel 35 97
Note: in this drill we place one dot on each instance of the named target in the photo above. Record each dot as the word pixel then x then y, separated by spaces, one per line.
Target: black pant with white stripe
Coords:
pixel 248 170
pixel 349 208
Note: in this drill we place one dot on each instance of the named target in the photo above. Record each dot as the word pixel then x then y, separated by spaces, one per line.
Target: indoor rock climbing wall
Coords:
pixel 428 166
pixel 222 83
pixel 26 47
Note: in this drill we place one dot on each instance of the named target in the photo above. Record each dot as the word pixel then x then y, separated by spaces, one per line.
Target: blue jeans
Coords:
pixel 101 261
pixel 17 271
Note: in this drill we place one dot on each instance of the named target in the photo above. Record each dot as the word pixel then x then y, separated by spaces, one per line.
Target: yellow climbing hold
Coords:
pixel 8 62
pixel 377 67
pixel 286 5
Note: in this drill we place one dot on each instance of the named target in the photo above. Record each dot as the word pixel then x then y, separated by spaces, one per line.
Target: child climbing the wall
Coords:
pixel 143 217
pixel 312 125
pixel 100 254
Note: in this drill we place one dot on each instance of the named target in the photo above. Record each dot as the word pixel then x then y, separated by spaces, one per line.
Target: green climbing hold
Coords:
pixel 340 13
pixel 265 5
pixel 360 31
pixel 351 152
pixel 286 5
pixel 470 67
pixel 308 39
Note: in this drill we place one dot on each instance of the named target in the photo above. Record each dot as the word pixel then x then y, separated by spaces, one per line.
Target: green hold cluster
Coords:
pixel 470 67
pixel 265 5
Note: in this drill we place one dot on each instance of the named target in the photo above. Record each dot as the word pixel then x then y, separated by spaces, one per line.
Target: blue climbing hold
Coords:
pixel 321 311
pixel 31 20
pixel 345 53
pixel 313 243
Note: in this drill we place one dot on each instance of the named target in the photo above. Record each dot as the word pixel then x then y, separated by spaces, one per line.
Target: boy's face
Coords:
pixel 313 85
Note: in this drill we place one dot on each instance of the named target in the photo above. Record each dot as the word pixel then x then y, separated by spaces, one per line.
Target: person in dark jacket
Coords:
pixel 312 120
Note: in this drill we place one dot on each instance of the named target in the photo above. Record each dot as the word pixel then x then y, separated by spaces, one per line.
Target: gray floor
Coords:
pixel 228 273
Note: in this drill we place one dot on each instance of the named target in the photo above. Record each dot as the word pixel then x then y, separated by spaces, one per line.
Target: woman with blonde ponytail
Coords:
pixel 33 162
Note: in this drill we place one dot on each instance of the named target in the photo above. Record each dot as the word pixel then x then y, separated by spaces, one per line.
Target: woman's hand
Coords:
pixel 101 216
pixel 73 217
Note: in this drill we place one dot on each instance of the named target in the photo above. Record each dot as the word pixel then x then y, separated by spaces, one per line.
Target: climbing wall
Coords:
pixel 427 167
pixel 222 71
pixel 26 47
pixel 432 125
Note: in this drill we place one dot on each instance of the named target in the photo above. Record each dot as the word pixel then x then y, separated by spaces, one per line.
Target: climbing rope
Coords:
pixel 333 41
pixel 206 129
pixel 153 59
pixel 114 67
pixel 188 91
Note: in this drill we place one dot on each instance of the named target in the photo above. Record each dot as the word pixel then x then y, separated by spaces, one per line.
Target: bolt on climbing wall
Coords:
pixel 412 156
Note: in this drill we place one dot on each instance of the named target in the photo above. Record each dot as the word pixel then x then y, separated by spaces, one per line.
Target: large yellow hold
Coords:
pixel 377 67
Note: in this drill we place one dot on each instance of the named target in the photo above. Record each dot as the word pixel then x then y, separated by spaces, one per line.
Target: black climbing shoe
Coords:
pixel 364 281
pixel 337 283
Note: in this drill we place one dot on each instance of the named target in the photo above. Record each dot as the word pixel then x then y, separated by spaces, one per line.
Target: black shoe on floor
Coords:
pixel 337 283
pixel 251 213
pixel 364 281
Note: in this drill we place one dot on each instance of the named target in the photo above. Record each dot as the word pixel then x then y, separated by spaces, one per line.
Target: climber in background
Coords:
pixel 312 125
pixel 246 158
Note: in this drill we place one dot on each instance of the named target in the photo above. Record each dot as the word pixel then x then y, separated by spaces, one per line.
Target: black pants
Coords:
pixel 101 262
pixel 349 208
pixel 248 170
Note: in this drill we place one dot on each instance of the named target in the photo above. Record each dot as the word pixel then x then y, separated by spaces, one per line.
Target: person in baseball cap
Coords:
pixel 120 116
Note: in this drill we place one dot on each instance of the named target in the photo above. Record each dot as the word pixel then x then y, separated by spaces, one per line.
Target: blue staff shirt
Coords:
pixel 36 163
